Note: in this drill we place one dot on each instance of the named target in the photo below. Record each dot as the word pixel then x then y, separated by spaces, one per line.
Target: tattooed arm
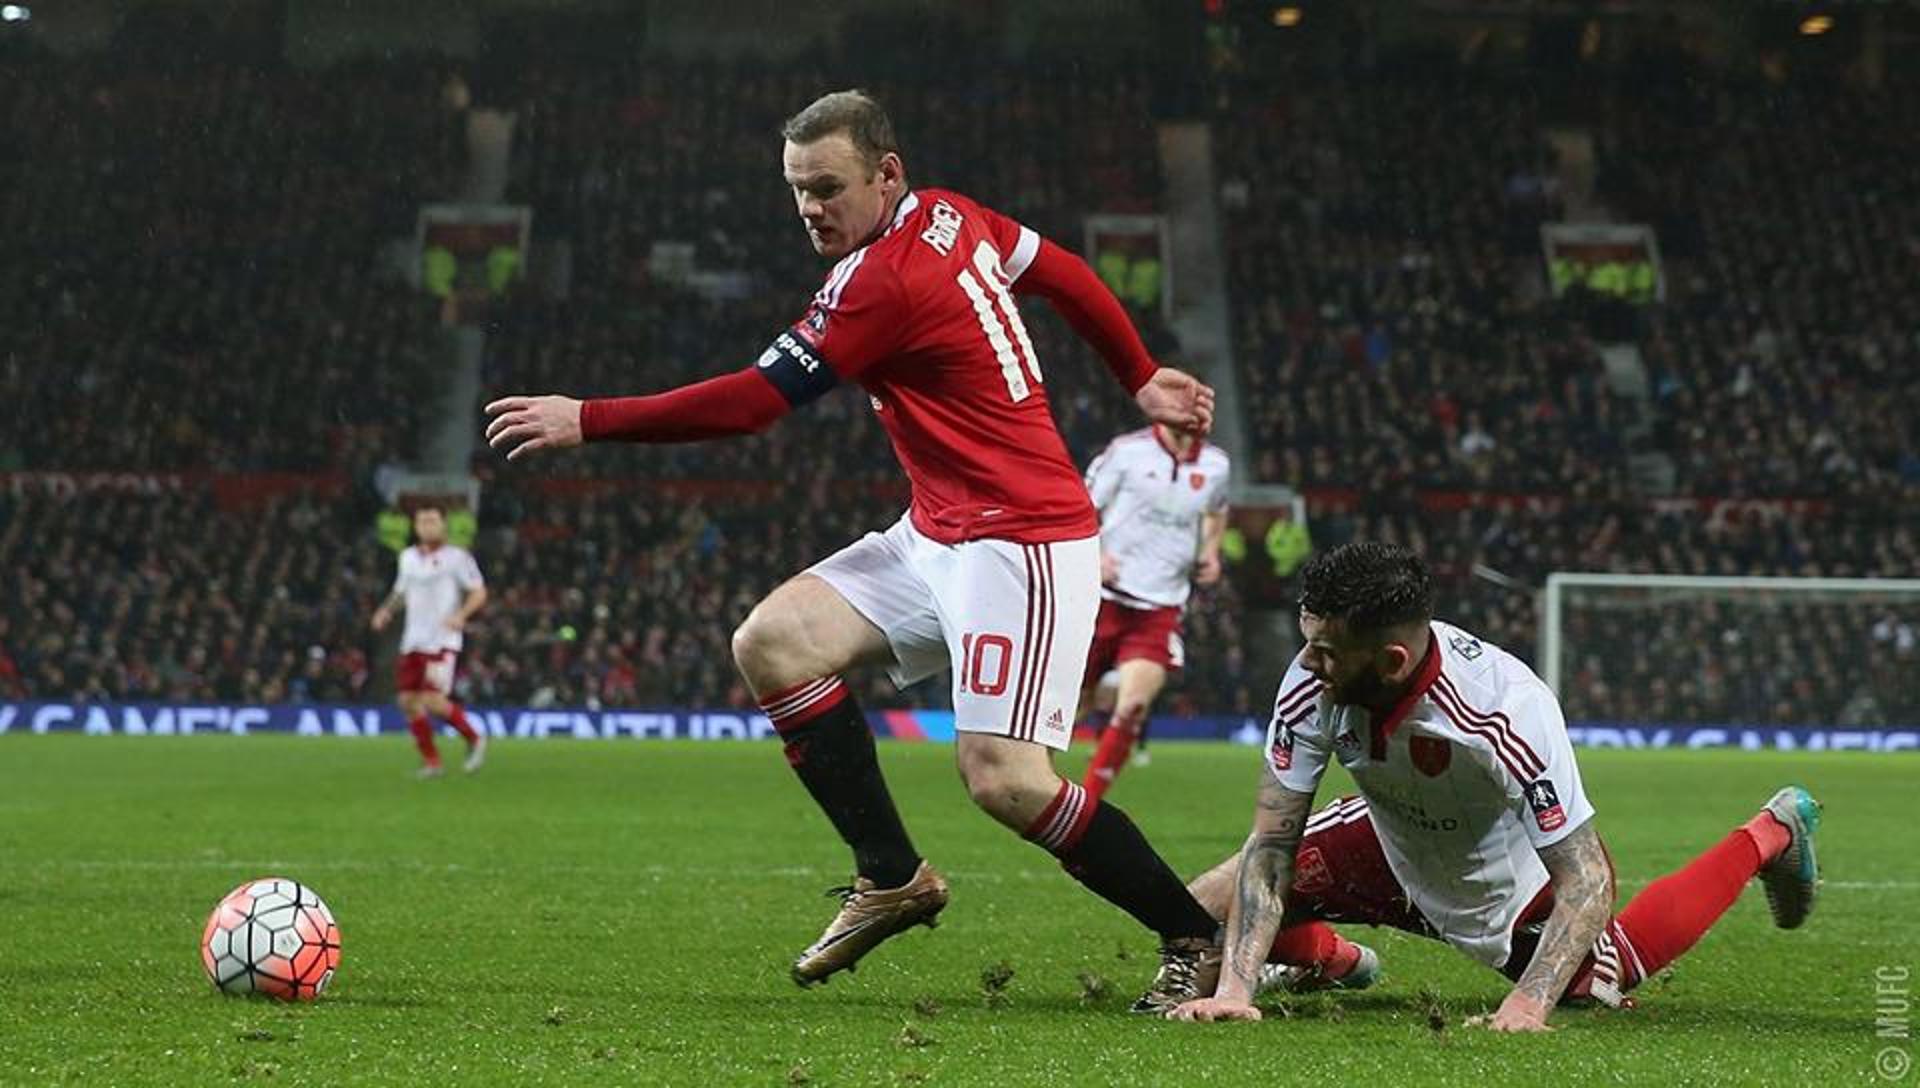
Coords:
pixel 1582 884
pixel 1259 900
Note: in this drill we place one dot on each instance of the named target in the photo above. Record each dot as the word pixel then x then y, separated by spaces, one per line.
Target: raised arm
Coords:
pixel 1582 883
pixel 1259 902
pixel 1166 395
pixel 1063 279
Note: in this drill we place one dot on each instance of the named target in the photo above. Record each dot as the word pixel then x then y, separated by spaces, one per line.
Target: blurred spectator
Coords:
pixel 622 598
pixel 190 254
pixel 189 286
pixel 683 154
pixel 1379 306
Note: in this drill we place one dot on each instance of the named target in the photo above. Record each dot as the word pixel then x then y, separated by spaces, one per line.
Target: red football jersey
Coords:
pixel 924 319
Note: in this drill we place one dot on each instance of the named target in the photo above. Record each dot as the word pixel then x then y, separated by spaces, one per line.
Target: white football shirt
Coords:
pixel 434 583
pixel 1151 504
pixel 1470 777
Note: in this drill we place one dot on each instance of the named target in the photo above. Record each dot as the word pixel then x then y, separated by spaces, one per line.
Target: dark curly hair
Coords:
pixel 1368 585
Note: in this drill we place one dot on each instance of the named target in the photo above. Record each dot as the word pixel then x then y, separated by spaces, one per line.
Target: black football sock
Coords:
pixel 1100 847
pixel 830 747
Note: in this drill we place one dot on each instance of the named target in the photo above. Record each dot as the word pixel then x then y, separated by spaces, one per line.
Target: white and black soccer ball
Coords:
pixel 271 936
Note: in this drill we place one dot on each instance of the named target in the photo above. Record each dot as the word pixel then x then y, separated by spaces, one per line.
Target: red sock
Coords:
pixel 1092 726
pixel 1315 944
pixel 1064 822
pixel 1671 913
pixel 457 718
pixel 423 739
pixel 1769 835
pixel 1115 745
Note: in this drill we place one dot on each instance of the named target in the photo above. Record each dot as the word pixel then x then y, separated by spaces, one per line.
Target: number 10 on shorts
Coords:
pixel 985 662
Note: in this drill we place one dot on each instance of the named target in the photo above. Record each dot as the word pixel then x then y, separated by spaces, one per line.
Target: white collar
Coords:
pixel 905 209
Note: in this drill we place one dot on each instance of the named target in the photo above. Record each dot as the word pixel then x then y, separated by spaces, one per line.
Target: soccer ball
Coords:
pixel 271 936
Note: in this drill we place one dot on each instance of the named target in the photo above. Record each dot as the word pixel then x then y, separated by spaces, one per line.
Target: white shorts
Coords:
pixel 1013 621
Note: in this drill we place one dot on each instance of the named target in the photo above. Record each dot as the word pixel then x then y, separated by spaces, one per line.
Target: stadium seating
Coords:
pixel 1782 360
pixel 618 161
pixel 615 597
pixel 1865 665
pixel 168 597
pixel 1382 333
pixel 188 282
pixel 220 317
pixel 600 599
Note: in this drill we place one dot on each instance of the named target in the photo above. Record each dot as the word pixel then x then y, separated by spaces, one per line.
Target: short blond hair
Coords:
pixel 856 113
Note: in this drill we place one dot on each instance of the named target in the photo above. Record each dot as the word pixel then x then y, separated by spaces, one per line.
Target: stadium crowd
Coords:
pixel 601 597
pixel 609 596
pixel 1800 660
pixel 1781 360
pixel 220 315
pixel 627 164
pixel 1380 335
pixel 166 596
pixel 1385 352
pixel 190 250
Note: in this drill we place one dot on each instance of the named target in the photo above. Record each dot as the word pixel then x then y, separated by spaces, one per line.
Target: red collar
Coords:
pixel 1423 678
pixel 1193 452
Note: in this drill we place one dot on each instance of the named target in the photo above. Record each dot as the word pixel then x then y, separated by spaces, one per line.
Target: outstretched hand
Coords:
pixel 522 425
pixel 1177 399
pixel 1212 1009
pixel 1518 1013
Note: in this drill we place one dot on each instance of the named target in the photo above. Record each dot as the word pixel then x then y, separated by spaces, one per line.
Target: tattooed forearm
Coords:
pixel 1582 883
pixel 1266 872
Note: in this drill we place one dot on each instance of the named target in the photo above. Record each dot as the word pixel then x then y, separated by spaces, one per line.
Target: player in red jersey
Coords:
pixel 995 568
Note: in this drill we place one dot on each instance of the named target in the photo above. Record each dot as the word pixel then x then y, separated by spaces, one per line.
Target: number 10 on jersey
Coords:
pixel 985 662
pixel 987 263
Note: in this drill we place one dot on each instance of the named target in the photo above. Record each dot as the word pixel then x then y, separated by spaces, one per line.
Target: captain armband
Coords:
pixel 796 369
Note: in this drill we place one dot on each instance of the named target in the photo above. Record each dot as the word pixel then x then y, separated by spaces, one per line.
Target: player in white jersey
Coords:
pixel 1471 825
pixel 440 587
pixel 1162 498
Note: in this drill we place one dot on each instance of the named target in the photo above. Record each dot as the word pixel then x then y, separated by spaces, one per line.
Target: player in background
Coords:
pixel 440 587
pixel 994 570
pixel 1471 825
pixel 1162 498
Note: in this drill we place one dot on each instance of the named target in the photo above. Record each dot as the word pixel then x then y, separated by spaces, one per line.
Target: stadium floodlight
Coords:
pixel 16 13
pixel 1834 650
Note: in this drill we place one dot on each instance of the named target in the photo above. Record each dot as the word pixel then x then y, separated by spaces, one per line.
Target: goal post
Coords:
pixel 1760 650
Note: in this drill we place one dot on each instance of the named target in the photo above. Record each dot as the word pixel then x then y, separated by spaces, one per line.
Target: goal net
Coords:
pixel 1739 651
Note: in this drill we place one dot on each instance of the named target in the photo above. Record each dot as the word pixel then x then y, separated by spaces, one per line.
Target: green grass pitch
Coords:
pixel 624 914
